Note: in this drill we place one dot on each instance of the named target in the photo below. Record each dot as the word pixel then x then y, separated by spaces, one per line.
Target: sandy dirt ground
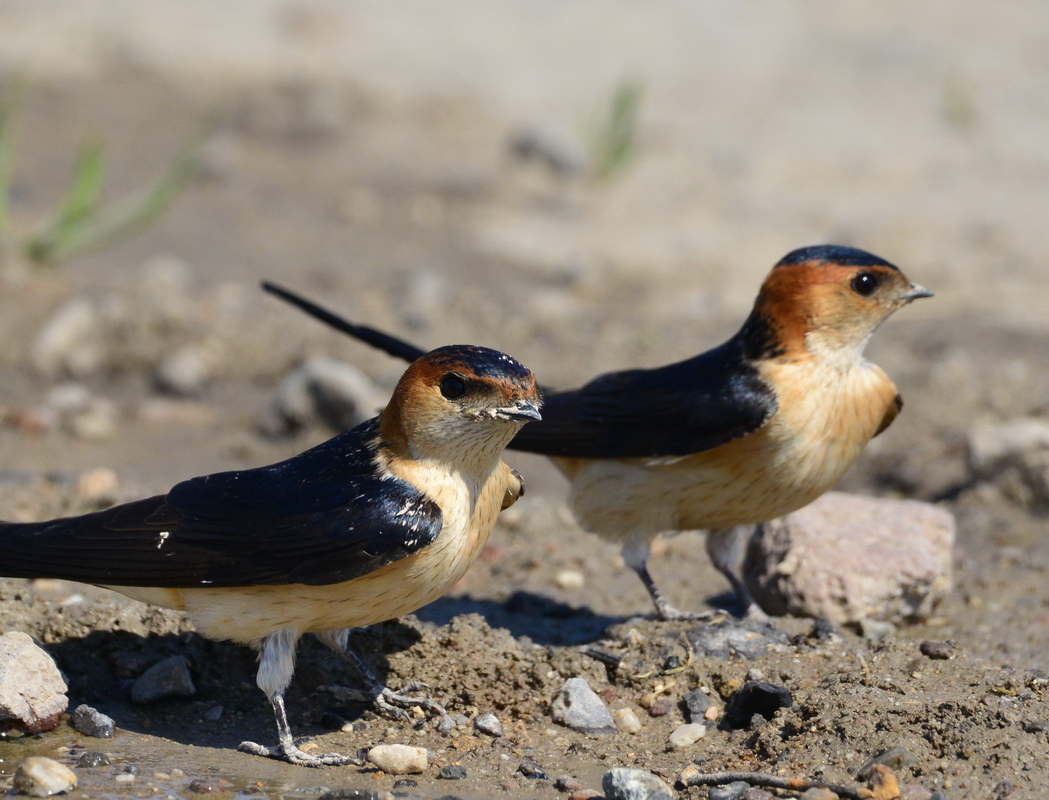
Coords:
pixel 361 155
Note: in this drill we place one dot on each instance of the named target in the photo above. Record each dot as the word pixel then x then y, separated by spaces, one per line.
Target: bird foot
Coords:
pixel 388 702
pixel 293 755
pixel 669 613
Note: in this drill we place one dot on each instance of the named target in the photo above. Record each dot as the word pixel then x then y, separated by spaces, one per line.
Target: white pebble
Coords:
pixel 626 720
pixel 399 759
pixel 686 735
pixel 570 580
pixel 38 776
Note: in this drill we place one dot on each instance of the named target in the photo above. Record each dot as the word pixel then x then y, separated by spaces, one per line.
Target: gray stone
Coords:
pixel 895 758
pixel 735 638
pixel 184 373
pixel 39 776
pixel 1014 453
pixel 489 724
pixel 32 690
pixel 91 722
pixel 730 791
pixel 168 678
pixel 849 558
pixel 325 391
pixel 634 784
pixel 576 706
pixel 453 772
pixel 69 343
pixel 556 149
pixel 697 703
pixel 92 759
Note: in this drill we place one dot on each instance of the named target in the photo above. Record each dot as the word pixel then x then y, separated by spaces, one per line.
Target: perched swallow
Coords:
pixel 749 431
pixel 365 527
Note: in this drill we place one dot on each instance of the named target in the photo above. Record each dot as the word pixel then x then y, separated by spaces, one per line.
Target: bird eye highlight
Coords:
pixel 865 284
pixel 452 386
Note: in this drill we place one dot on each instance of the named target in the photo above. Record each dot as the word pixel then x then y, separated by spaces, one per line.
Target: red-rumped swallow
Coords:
pixel 749 431
pixel 366 527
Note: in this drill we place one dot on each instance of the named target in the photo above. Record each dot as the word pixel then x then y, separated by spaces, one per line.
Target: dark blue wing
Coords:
pixel 322 517
pixel 682 408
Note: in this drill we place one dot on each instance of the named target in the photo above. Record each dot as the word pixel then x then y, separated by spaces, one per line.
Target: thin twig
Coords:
pixel 693 777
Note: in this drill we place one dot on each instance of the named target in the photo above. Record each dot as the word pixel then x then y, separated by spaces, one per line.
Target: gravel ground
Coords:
pixel 361 156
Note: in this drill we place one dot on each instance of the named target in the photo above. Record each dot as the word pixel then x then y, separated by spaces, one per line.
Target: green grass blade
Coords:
pixel 119 220
pixel 613 137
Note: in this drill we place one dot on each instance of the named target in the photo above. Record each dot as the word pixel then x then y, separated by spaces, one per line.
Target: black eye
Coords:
pixel 452 386
pixel 865 284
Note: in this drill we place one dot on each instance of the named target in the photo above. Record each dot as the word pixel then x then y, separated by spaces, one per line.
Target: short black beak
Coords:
pixel 916 293
pixel 522 411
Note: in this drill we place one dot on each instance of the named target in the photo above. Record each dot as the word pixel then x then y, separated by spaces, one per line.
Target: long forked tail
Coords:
pixel 398 348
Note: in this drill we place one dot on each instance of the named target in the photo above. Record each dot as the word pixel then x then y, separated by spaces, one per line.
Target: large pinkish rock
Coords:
pixel 32 690
pixel 849 558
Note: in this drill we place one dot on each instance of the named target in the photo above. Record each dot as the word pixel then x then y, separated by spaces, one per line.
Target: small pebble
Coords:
pixel 453 772
pixel 39 776
pixel 446 725
pixel 489 724
pixel 894 758
pixel 92 759
pixel 626 720
pixel 729 791
pixel 623 783
pixel 818 793
pixel 754 793
pixel 213 714
pixel 938 650
pixel 532 771
pixel 566 783
pixel 570 580
pixel 124 777
pixel 914 791
pixel 576 706
pixel 697 703
pixel 883 783
pixel 660 708
pixel 208 786
pixel 405 783
pixel 686 735
pixel 756 698
pixel 399 759
pixel 91 722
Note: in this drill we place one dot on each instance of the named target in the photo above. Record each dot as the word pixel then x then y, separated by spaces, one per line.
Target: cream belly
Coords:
pixel 246 614
pixel 822 425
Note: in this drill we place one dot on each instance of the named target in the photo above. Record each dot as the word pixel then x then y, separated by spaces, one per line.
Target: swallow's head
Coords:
pixel 461 401
pixel 828 300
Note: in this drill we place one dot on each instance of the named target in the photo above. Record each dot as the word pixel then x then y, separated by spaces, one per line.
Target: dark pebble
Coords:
pixel 532 771
pixel 1002 790
pixel 453 772
pixel 131 769
pixel 756 699
pixel 1036 726
pixel 349 794
pixel 660 708
pixel 449 797
pixel 696 705
pixel 730 791
pixel 566 783
pixel 938 796
pixel 672 663
pixel 208 786
pixel 895 758
pixel 91 722
pixel 938 650
pixel 405 783
pixel 332 721
pixel 93 758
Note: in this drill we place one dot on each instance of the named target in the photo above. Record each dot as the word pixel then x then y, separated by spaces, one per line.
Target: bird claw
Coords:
pixel 388 702
pixel 293 755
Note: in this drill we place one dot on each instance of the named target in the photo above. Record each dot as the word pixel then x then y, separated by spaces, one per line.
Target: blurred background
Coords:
pixel 588 185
